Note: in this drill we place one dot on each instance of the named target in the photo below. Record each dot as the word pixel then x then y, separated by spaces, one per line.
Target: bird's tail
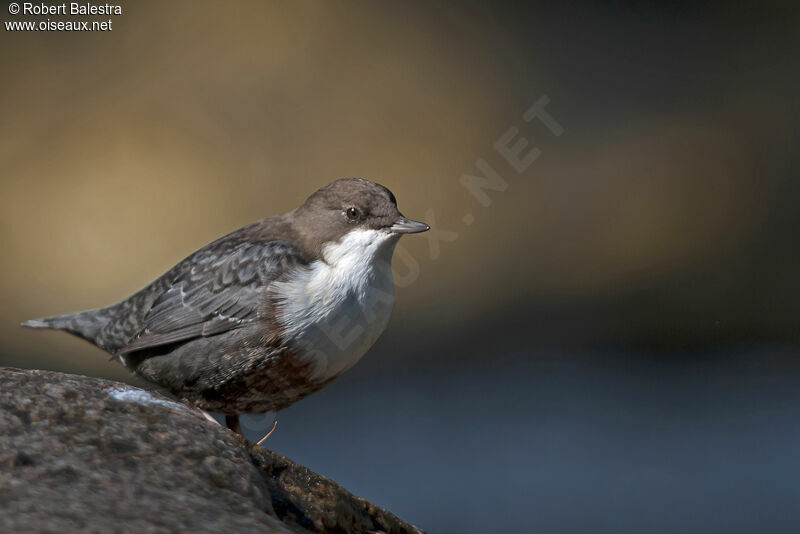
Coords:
pixel 86 325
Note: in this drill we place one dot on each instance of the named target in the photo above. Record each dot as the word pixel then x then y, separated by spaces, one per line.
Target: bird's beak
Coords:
pixel 404 226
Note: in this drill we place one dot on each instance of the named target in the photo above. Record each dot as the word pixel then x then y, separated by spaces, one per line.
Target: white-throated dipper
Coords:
pixel 267 314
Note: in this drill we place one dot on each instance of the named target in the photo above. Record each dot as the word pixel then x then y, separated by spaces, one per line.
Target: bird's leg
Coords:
pixel 274 425
pixel 232 422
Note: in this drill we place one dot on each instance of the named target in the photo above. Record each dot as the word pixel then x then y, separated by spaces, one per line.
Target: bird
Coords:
pixel 265 315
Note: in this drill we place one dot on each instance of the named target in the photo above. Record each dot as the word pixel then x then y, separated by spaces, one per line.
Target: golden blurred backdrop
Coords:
pixel 122 152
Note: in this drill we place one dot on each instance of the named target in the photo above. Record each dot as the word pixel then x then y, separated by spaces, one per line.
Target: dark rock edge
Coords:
pixel 65 436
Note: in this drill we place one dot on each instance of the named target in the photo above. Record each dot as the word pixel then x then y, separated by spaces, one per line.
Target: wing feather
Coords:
pixel 221 289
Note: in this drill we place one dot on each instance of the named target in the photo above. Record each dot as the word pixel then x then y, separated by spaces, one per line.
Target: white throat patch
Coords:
pixel 333 311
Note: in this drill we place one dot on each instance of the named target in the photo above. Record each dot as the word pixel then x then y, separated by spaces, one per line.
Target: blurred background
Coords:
pixel 611 345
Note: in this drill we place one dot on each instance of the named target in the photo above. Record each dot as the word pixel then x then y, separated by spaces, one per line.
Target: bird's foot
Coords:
pixel 207 415
pixel 204 413
pixel 274 425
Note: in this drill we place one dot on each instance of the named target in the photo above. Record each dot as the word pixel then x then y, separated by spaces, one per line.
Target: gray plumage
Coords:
pixel 210 330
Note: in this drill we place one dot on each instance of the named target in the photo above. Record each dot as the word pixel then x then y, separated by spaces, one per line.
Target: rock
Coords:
pixel 79 453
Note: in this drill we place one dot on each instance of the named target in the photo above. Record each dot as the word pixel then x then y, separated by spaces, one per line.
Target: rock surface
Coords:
pixel 91 455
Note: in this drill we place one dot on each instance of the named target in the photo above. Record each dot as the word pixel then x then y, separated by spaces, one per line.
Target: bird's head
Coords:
pixel 362 212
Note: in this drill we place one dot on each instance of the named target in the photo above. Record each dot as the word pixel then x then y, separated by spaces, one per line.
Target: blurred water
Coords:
pixel 566 443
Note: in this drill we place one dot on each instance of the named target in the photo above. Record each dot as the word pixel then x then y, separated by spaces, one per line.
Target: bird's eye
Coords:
pixel 353 214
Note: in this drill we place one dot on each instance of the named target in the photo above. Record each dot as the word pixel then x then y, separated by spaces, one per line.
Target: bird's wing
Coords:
pixel 221 289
